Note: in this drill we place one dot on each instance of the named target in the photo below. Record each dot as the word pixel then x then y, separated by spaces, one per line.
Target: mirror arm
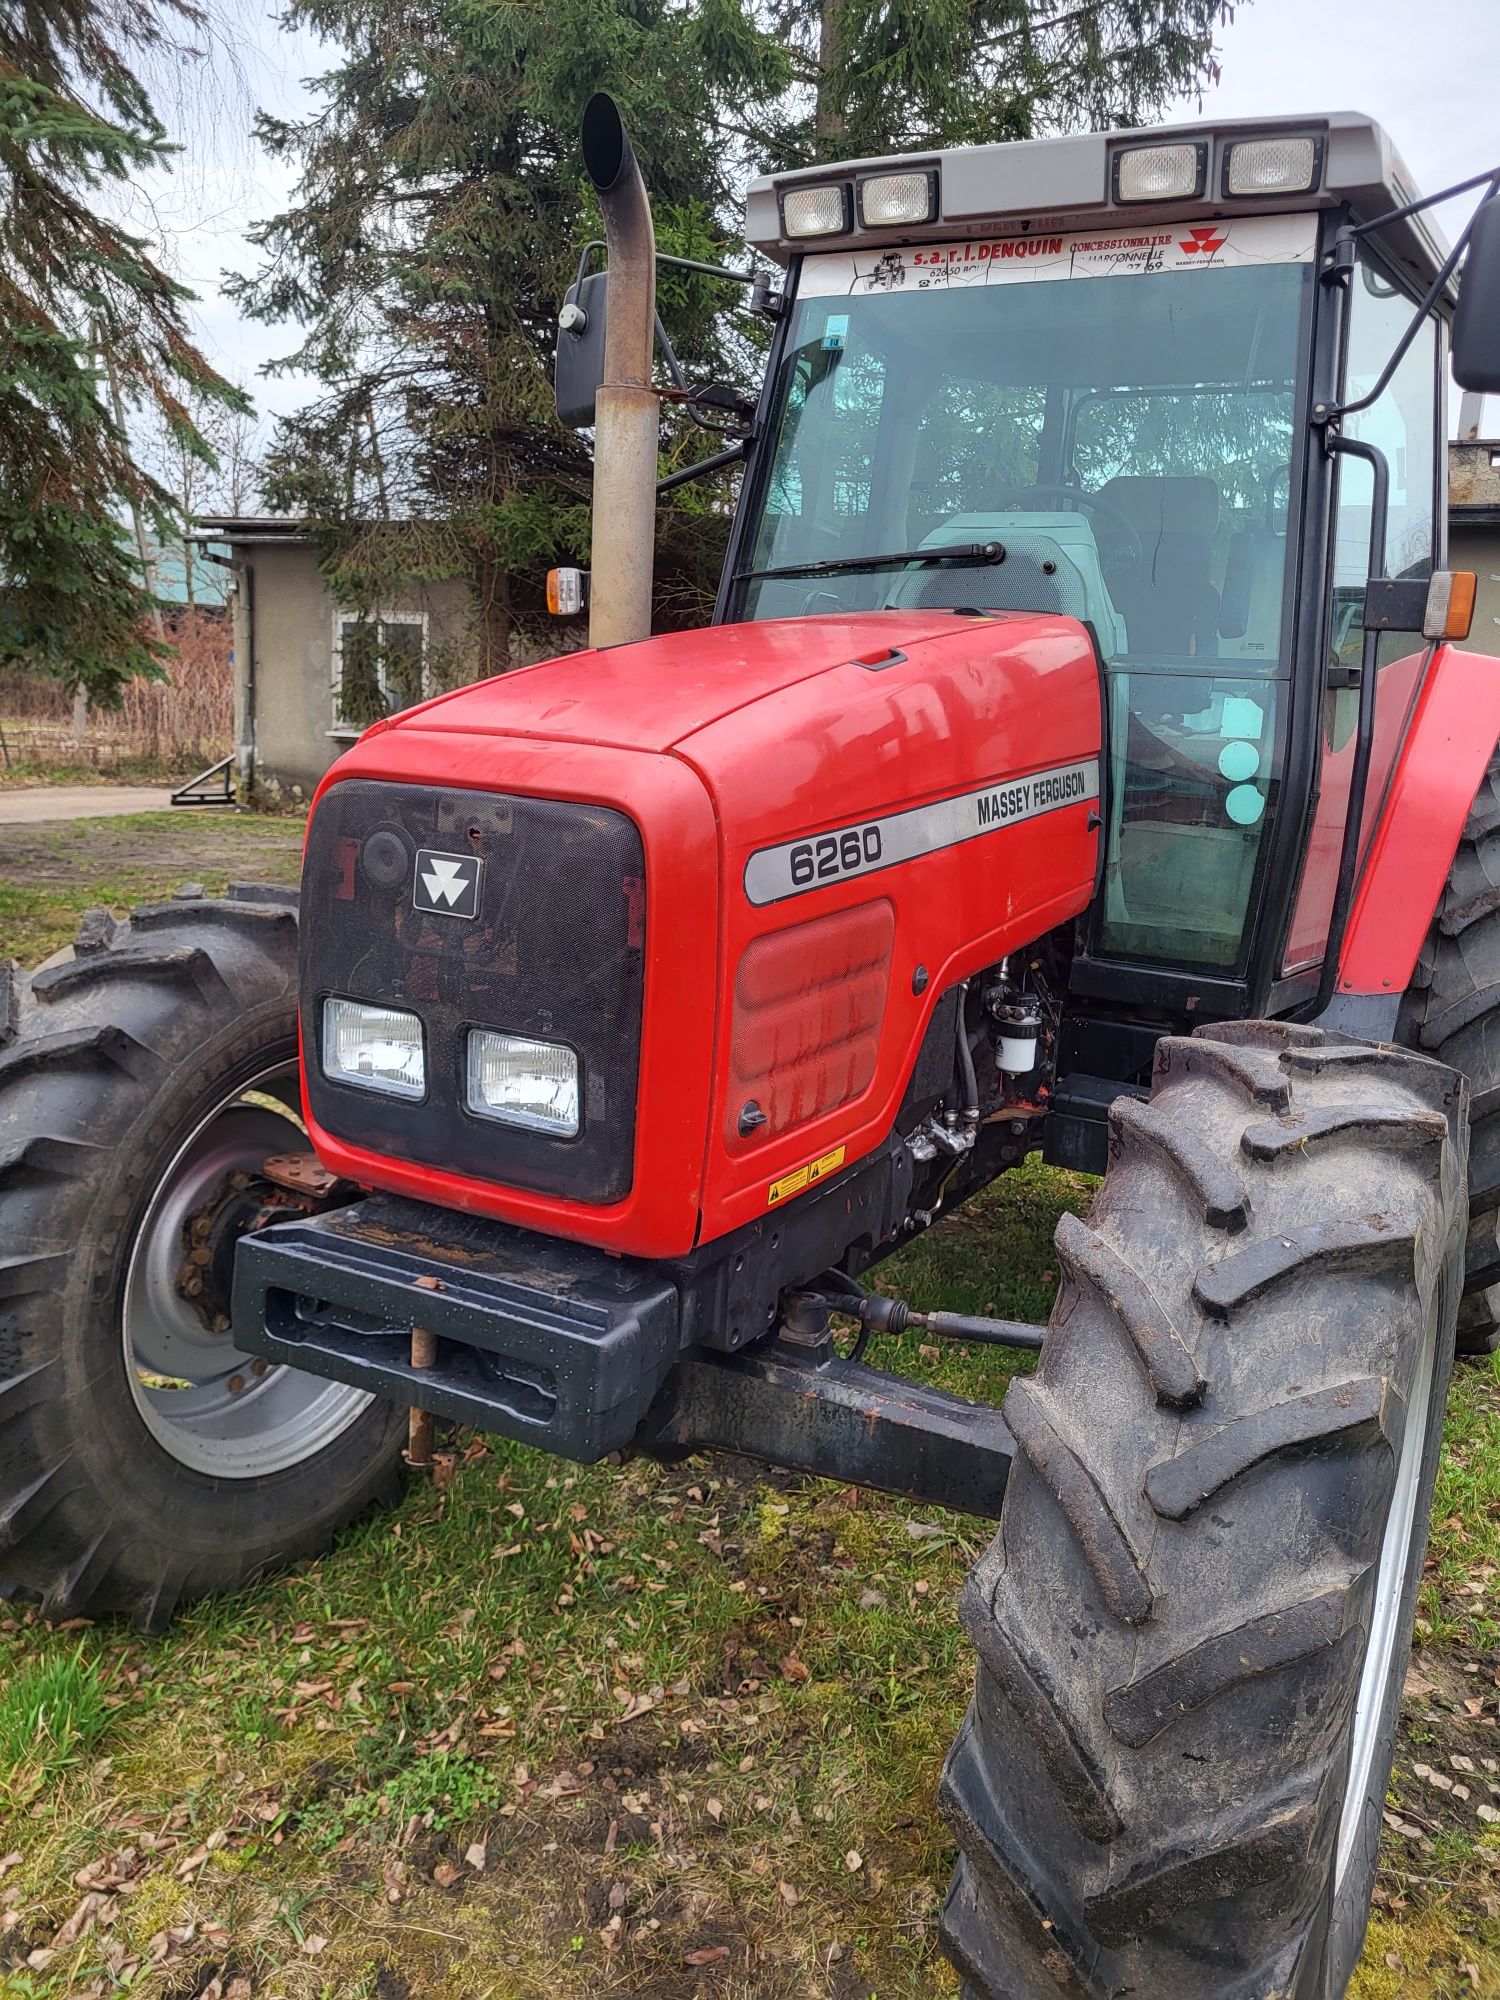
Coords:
pixel 678 263
pixel 585 254
pixel 1359 773
pixel 704 466
pixel 708 270
pixel 668 354
pixel 1490 175
pixel 1328 413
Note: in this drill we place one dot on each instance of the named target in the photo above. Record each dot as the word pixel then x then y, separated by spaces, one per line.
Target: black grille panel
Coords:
pixel 556 950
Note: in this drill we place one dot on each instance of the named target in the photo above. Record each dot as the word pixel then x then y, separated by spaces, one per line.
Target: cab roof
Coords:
pixel 1066 183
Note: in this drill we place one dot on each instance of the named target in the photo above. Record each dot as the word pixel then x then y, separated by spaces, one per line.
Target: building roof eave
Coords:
pixel 245 528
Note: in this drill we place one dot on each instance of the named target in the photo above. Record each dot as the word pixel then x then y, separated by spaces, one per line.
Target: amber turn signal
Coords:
pixel 1450 604
pixel 567 592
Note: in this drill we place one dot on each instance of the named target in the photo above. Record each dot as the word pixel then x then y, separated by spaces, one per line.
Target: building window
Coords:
pixel 379 667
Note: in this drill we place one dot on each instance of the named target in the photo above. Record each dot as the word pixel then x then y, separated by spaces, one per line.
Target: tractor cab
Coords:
pixel 1142 382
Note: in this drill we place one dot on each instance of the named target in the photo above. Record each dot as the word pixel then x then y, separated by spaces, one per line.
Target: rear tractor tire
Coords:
pixel 1194 1622
pixel 145 1073
pixel 1453 1012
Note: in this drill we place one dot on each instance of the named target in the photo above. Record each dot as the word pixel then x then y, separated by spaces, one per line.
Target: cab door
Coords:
pixel 1406 424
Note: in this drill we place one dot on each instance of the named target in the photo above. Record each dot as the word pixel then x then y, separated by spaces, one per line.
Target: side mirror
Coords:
pixel 578 359
pixel 1476 326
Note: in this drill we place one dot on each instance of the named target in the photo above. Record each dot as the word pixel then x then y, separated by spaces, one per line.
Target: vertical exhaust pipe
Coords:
pixel 627 419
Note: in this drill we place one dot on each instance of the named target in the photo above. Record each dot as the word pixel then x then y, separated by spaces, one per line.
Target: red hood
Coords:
pixel 651 695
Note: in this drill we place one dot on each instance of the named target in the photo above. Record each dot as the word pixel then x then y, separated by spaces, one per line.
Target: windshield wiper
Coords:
pixel 958 552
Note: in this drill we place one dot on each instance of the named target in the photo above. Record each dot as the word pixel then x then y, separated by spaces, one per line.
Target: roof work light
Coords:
pixel 816 211
pixel 886 201
pixel 1161 173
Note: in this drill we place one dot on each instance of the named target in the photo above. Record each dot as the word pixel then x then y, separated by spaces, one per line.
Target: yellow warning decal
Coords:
pixel 815 1170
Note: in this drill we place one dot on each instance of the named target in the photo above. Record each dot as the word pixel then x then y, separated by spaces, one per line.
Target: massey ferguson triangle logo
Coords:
pixel 1202 241
pixel 447 885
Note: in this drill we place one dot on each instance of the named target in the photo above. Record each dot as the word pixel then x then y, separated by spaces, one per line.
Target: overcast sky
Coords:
pixel 1430 74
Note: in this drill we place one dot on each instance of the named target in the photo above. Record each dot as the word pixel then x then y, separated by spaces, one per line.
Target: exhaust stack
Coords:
pixel 627 419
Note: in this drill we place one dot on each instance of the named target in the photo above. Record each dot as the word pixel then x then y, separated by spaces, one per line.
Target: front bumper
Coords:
pixel 582 1353
pixel 551 1342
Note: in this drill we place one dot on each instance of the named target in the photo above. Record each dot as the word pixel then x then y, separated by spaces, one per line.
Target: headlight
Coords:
pixel 377 1048
pixel 523 1082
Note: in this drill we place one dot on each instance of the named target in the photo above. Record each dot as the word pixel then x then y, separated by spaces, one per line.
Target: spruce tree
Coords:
pixel 883 76
pixel 91 332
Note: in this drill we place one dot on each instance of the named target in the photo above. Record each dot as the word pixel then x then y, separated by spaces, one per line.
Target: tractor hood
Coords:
pixel 652 695
pixel 621 851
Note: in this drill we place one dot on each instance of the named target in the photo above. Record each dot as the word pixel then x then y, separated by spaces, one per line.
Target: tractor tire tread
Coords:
pixel 1452 1011
pixel 92 1047
pixel 1144 1790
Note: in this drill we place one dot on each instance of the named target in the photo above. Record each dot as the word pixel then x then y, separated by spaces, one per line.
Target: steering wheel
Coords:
pixel 1076 493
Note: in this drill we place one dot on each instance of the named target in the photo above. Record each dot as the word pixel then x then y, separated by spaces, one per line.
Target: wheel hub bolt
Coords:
pixel 236 1384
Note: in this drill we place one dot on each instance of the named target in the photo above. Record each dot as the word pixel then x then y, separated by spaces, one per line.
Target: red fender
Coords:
pixel 1454 729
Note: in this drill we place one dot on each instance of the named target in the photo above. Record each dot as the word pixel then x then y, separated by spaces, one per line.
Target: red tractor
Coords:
pixel 1078 760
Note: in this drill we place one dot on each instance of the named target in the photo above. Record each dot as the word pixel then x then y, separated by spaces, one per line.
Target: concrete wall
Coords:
pixel 1478 549
pixel 1474 531
pixel 1474 472
pixel 286 627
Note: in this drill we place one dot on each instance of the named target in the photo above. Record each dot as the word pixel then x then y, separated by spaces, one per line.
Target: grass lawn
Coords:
pixel 555 1732
pixel 51 873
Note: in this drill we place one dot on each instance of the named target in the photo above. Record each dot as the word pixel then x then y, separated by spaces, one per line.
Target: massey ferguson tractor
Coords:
pixel 1078 760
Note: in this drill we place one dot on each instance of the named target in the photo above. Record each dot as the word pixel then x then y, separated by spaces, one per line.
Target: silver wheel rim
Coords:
pixel 236 1417
pixel 1385 1616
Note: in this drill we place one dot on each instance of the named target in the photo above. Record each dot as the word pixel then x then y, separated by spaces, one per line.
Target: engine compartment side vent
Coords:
pixel 809 1001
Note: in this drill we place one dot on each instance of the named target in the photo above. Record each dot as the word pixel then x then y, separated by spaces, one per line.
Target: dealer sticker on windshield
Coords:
pixel 1043 254
pixel 797 867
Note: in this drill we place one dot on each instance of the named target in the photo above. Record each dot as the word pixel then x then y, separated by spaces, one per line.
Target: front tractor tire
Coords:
pixel 1194 1622
pixel 145 1074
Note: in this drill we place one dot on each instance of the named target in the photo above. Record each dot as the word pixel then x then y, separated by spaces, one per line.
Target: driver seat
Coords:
pixel 1168 599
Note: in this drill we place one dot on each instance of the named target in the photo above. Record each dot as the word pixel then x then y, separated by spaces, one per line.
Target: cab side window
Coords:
pixel 1400 425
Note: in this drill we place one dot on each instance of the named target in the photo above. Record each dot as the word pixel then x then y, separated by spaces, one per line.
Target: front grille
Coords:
pixel 555 949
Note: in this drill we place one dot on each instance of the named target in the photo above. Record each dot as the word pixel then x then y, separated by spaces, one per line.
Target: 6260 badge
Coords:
pixel 835 854
pixel 795 867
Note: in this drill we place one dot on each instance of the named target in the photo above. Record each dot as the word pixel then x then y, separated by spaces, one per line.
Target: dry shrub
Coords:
pixel 176 725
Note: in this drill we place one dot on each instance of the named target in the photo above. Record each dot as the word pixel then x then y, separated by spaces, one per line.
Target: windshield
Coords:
pixel 1120 407
pixel 1119 413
